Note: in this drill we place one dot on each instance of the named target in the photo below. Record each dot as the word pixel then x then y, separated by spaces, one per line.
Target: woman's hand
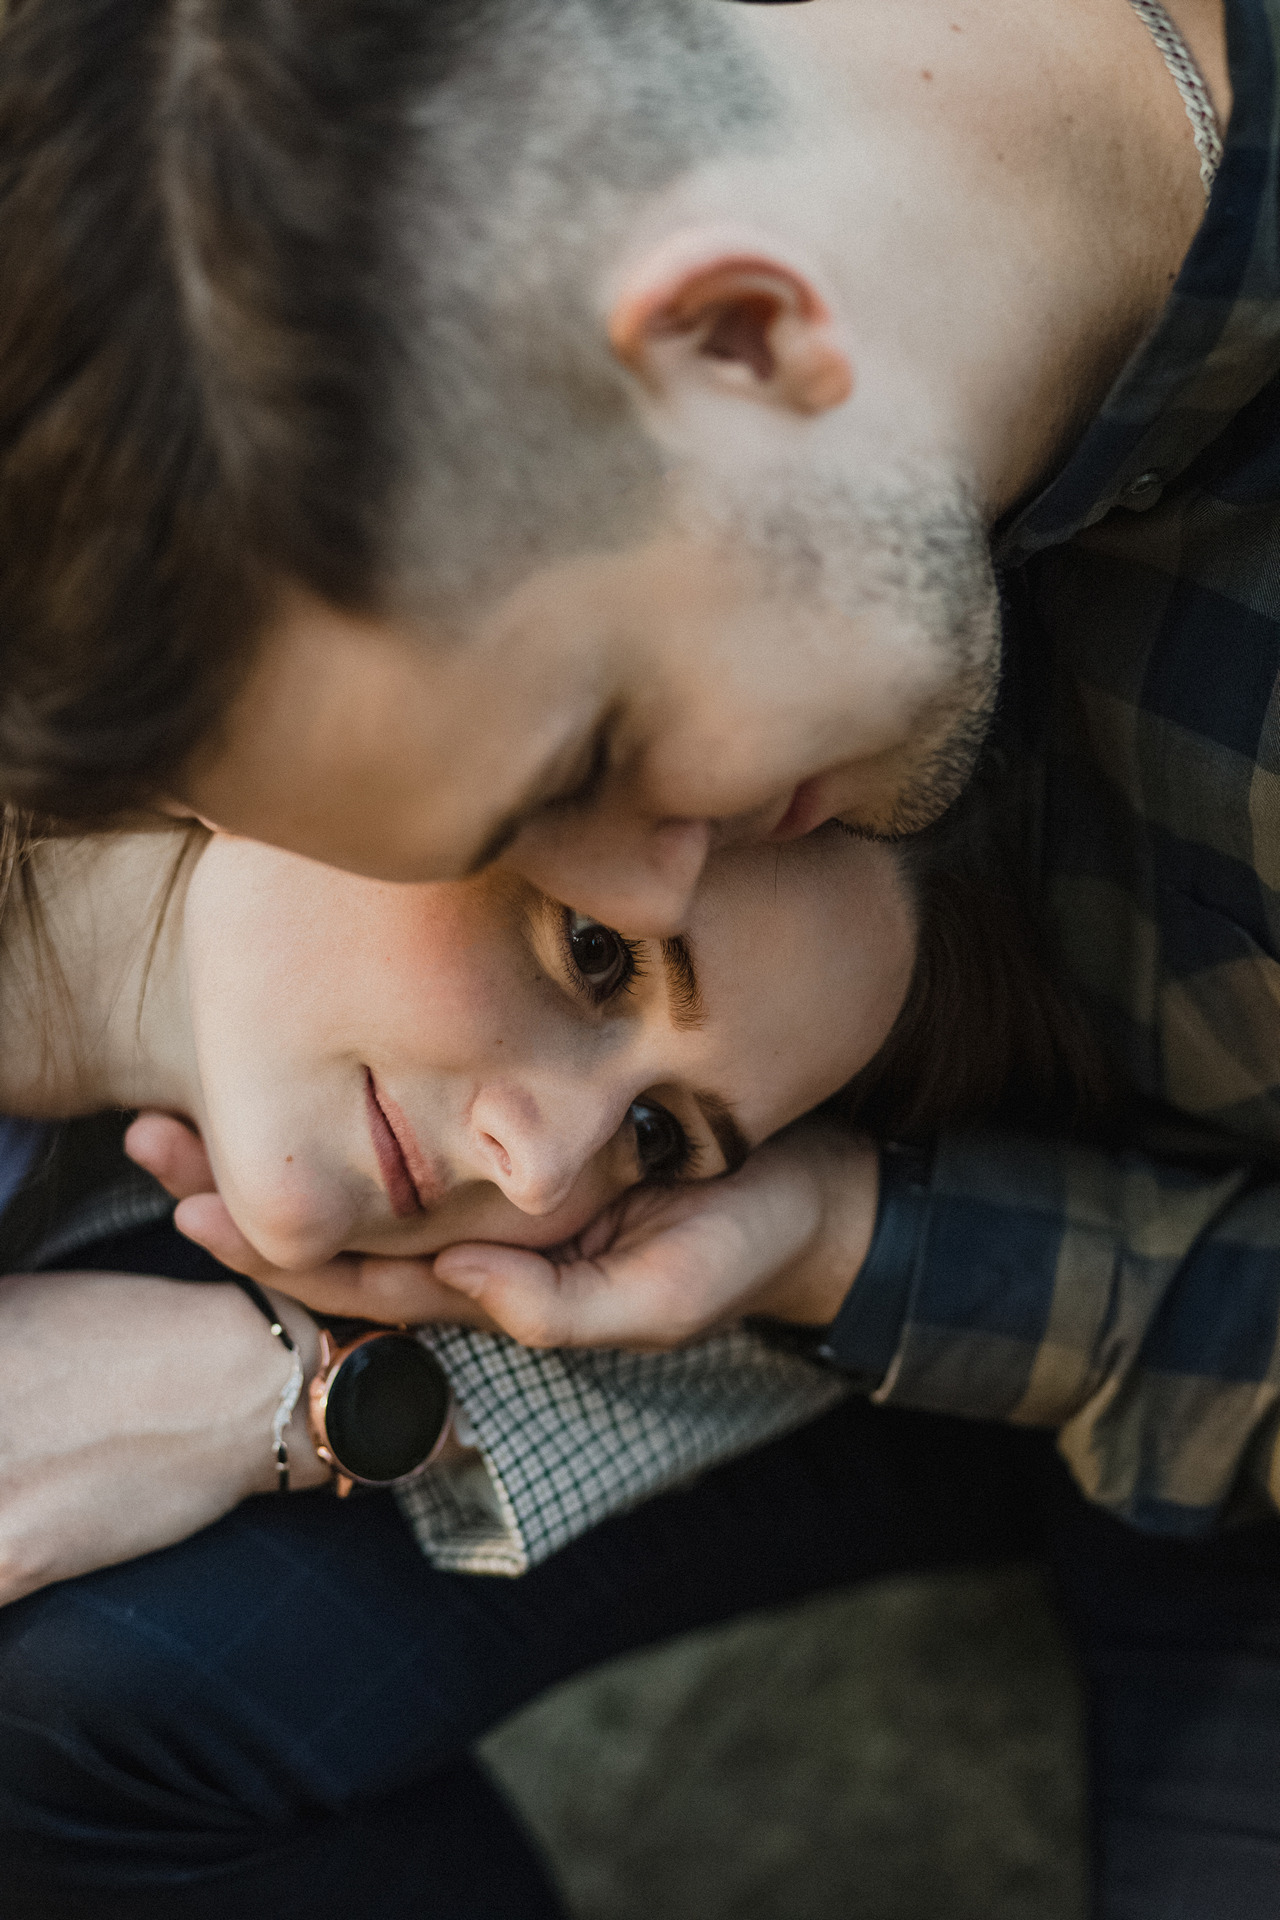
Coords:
pixel 785 1236
pixel 133 1412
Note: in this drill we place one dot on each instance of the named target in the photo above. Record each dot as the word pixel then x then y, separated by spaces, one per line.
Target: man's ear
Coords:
pixel 741 321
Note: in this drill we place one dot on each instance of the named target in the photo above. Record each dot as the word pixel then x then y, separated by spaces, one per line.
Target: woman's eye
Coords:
pixel 603 958
pixel 662 1145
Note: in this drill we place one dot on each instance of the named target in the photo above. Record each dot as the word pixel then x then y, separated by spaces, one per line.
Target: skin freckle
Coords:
pixel 926 73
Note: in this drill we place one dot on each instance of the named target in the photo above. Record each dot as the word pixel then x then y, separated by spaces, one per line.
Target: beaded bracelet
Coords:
pixel 292 1386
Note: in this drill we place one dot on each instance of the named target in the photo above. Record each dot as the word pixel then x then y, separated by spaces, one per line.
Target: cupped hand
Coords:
pixel 784 1237
pixel 356 1286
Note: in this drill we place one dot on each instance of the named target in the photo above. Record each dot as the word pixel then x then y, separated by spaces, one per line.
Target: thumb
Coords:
pixel 205 1219
pixel 171 1152
pixel 480 1270
pixel 517 1288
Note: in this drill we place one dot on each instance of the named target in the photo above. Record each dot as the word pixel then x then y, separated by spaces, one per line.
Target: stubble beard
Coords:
pixel 935 777
pixel 910 549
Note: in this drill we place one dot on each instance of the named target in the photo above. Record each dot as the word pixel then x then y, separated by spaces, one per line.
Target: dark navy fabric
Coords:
pixel 20 1143
pixel 271 1721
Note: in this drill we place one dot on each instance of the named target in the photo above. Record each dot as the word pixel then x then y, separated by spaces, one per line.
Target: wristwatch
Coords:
pixel 379 1407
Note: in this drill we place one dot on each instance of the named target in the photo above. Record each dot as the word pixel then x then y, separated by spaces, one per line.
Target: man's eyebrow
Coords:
pixel 543 795
pixel 684 996
pixel 729 1137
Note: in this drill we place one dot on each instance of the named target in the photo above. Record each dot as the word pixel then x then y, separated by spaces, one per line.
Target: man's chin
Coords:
pixel 938 781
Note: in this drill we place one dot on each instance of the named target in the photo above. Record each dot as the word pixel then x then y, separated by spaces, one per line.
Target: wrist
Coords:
pixel 300 1327
pixel 866 1333
pixel 842 1171
pixel 305 1468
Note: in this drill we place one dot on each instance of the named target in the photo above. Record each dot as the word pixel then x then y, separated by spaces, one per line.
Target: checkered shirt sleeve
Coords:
pixel 565 1439
pixel 1132 1302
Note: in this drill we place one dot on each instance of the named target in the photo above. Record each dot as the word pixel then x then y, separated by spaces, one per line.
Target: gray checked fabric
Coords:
pixel 569 1438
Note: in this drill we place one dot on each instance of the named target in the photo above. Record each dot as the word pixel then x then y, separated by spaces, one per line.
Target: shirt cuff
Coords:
pixel 867 1332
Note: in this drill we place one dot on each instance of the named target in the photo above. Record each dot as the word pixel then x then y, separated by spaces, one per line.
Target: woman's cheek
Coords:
pixel 283 1193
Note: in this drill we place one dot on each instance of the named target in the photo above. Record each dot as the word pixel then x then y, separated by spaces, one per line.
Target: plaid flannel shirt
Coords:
pixel 1131 1298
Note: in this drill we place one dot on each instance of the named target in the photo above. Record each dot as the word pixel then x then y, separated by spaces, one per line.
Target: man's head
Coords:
pixel 436 430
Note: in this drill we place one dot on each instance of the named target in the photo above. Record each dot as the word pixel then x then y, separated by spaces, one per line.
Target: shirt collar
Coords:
pixel 1216 344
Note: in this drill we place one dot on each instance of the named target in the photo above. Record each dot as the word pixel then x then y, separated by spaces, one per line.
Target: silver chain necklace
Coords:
pixel 1189 81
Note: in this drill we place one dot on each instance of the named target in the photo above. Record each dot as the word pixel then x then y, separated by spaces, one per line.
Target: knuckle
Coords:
pixel 677 1315
pixel 23 1567
pixel 534 1327
pixel 539 1320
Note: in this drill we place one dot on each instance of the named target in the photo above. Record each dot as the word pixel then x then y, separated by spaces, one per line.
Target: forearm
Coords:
pixel 1128 1300
pixel 133 1411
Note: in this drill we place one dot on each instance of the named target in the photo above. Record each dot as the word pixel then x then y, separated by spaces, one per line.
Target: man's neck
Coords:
pixel 1010 190
pixel 92 986
pixel 1203 25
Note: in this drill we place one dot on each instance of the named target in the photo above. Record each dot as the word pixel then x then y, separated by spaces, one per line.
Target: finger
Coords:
pixel 205 1219
pixel 613 1302
pixel 171 1152
pixel 399 1292
pixel 354 1287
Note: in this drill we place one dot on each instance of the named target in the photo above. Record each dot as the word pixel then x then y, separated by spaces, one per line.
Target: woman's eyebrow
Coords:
pixel 729 1137
pixel 684 996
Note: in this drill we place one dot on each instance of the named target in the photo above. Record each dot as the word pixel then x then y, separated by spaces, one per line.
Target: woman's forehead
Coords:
pixel 804 953
pixel 829 878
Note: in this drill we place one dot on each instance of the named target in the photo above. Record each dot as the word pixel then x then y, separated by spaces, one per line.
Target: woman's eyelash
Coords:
pixel 678 1167
pixel 631 965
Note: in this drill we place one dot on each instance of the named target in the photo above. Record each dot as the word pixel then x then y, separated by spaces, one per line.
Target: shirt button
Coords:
pixel 1143 492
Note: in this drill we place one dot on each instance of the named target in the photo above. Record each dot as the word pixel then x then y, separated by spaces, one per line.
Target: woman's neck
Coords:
pixel 93 1009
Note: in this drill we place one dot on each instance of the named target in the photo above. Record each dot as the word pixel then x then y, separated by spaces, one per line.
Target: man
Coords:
pixel 685 482
pixel 653 380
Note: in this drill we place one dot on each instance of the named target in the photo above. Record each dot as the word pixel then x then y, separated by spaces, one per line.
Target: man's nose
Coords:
pixel 535 1145
pixel 633 874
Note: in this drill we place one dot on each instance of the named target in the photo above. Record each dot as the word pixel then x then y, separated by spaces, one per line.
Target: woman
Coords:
pixel 382 1070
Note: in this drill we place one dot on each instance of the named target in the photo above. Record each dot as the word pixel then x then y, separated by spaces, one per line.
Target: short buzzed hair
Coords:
pixel 301 291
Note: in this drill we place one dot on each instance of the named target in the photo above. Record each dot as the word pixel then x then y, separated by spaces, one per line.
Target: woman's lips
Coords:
pixel 393 1148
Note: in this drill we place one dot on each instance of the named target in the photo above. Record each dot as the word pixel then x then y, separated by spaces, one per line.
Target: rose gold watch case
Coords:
pixel 331 1358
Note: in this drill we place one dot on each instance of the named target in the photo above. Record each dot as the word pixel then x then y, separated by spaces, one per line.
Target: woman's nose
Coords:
pixel 535 1143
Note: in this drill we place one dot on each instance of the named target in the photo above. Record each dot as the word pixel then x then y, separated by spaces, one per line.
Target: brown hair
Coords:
pixel 298 291
pixel 990 1030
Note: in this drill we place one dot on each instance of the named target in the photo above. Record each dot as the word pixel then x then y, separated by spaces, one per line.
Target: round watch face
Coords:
pixel 385 1407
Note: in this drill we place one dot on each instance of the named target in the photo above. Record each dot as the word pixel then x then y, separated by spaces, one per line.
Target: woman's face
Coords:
pixel 389 1069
